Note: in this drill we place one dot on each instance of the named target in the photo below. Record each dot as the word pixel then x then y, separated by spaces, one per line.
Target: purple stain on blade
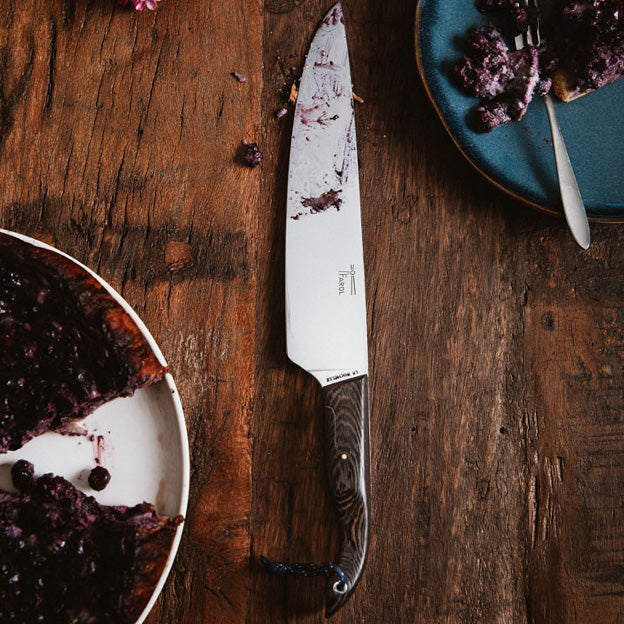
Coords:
pixel 335 17
pixel 324 61
pixel 310 115
pixel 319 204
pixel 324 202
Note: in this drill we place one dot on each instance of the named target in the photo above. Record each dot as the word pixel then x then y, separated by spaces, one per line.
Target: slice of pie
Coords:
pixel 505 80
pixel 66 559
pixel 66 345
pixel 585 51
pixel 588 43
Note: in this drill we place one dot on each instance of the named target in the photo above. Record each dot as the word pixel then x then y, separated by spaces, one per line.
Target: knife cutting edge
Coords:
pixel 325 291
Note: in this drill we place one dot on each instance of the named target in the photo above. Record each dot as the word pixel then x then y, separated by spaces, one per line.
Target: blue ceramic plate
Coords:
pixel 518 156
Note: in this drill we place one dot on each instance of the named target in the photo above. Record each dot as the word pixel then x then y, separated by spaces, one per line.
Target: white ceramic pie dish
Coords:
pixel 141 440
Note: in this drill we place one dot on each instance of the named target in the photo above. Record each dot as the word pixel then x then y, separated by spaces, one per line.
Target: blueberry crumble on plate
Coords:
pixel 585 52
pixel 67 344
pixel 588 45
pixel 516 14
pixel 66 559
pixel 505 80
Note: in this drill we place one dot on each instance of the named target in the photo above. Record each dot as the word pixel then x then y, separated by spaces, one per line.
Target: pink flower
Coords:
pixel 139 5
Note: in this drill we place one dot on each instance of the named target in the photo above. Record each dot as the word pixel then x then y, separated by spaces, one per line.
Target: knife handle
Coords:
pixel 347 462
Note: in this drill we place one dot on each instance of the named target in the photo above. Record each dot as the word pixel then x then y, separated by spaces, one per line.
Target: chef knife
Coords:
pixel 325 298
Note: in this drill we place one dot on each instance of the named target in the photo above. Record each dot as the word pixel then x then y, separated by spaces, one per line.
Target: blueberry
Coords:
pixel 80 548
pixel 252 155
pixel 22 474
pixel 99 478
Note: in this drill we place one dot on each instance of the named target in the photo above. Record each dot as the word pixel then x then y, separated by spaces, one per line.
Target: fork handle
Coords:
pixel 573 207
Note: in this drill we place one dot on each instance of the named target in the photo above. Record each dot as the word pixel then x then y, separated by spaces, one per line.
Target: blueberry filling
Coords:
pixel 22 473
pixel 252 154
pixel 585 51
pixel 66 345
pixel 516 15
pixel 323 202
pixel 67 559
pixel 588 42
pixel 505 80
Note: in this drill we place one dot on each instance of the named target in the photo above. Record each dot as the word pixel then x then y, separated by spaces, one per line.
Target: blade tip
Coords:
pixel 334 15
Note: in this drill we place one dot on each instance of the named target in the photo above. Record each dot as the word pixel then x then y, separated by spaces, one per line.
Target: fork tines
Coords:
pixel 532 34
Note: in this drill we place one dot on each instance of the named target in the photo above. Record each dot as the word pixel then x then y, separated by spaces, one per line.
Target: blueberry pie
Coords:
pixel 585 52
pixel 67 345
pixel 588 44
pixel 66 559
pixel 505 80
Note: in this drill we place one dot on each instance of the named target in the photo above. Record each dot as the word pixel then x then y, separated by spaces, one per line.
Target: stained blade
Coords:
pixel 325 299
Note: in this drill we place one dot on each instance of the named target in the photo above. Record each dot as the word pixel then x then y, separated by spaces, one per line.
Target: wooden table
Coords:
pixel 496 344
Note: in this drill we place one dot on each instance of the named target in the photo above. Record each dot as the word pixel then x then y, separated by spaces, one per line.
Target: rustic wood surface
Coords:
pixel 496 344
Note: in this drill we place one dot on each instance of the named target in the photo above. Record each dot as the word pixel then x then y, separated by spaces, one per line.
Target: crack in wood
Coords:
pixel 47 105
pixel 68 12
pixel 10 99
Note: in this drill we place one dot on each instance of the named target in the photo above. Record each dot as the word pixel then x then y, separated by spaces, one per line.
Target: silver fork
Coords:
pixel 571 199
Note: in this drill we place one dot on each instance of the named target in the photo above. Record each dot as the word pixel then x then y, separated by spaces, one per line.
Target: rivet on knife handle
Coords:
pixel 347 461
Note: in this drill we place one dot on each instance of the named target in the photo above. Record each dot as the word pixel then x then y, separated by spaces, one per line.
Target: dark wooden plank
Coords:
pixel 291 513
pixel 457 276
pixel 118 132
pixel 448 495
pixel 574 377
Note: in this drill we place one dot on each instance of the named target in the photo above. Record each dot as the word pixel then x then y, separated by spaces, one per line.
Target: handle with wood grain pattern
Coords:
pixel 347 461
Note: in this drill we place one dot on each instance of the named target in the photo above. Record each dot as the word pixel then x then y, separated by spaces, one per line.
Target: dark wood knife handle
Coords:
pixel 347 461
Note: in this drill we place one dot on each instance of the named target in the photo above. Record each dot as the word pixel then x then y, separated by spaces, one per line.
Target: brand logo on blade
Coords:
pixel 343 278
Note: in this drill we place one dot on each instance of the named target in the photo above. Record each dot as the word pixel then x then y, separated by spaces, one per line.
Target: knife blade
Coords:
pixel 325 289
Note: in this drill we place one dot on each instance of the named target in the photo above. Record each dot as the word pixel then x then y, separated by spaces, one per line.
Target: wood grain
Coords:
pixel 118 132
pixel 495 343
